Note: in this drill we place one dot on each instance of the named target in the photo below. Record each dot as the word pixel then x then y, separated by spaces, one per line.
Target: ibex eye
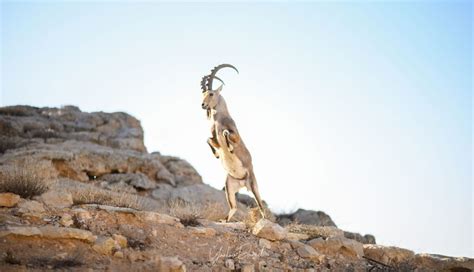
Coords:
pixel 211 94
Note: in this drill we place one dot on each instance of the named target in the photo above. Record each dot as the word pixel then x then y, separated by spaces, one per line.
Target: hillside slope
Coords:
pixel 80 191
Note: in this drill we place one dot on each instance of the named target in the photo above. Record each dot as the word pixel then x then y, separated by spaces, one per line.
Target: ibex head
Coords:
pixel 210 96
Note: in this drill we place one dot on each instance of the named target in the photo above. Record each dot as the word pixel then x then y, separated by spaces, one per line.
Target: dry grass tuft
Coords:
pixel 240 253
pixel 90 194
pixel 189 213
pixel 32 179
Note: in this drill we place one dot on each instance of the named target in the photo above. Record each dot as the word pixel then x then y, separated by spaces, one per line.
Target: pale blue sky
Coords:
pixel 359 109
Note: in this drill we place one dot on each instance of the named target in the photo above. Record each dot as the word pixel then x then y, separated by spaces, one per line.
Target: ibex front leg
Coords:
pixel 214 146
pixel 230 137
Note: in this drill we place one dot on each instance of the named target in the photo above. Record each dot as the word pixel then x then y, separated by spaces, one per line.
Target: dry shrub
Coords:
pixel 31 179
pixel 8 143
pixel 90 194
pixel 189 213
pixel 240 253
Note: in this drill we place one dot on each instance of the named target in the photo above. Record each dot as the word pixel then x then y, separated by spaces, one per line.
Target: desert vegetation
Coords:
pixel 29 179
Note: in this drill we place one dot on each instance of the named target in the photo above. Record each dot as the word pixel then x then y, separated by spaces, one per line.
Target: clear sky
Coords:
pixel 359 109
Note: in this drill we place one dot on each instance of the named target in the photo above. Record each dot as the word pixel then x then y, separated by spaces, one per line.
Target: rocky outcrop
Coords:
pixel 25 125
pixel 88 146
pixel 88 196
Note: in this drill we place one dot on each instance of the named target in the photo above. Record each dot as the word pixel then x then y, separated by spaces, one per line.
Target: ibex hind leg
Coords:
pixel 254 188
pixel 231 188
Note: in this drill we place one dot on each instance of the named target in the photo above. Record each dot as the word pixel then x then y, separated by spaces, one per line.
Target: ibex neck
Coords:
pixel 221 108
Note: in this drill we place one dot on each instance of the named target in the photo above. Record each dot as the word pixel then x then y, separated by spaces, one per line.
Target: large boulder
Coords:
pixel 338 246
pixel 306 217
pixel 388 255
pixel 269 230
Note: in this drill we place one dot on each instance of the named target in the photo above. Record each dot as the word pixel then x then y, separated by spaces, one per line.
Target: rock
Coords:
pixel 110 209
pixel 307 252
pixel 50 232
pixel 338 246
pixel 264 243
pixel 20 231
pixel 366 239
pixel 431 262
pixel 388 255
pixel 171 264
pixel 82 216
pixel 118 254
pixel 56 199
pixel 183 172
pixel 269 230
pixel 229 263
pixel 85 161
pixel 137 180
pixel 248 268
pixel 120 187
pixel 297 236
pixel 66 220
pixel 165 176
pixel 314 231
pixel 9 200
pixel 104 245
pixel 306 217
pixel 120 240
pixel 222 226
pixel 296 244
pixel 135 234
pixel 134 256
pixel 158 218
pixel 31 208
pixel 203 231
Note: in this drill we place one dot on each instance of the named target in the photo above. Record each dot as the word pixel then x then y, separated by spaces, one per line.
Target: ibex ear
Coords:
pixel 219 89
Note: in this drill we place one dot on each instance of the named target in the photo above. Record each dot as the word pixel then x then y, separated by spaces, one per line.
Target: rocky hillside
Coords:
pixel 79 191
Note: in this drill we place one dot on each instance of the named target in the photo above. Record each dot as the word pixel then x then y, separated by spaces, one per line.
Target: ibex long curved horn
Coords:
pixel 214 72
pixel 204 82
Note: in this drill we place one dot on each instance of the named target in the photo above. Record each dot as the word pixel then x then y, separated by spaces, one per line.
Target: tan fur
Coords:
pixel 231 150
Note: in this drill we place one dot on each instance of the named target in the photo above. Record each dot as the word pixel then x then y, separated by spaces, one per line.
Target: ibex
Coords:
pixel 227 145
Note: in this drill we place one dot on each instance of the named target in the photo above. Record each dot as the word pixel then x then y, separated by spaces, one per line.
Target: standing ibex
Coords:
pixel 227 145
